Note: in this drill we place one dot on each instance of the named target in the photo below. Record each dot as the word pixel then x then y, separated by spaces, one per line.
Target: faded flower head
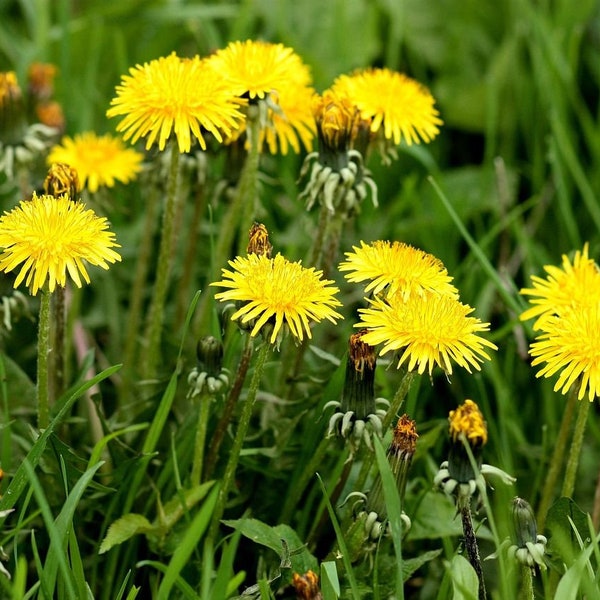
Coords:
pixel 427 330
pixel 258 241
pixel 62 179
pixel 397 268
pixel 185 97
pixel 98 160
pixel 49 237
pixel 275 292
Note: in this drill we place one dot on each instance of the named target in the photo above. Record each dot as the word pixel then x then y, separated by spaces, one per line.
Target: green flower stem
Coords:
pixel 575 451
pixel 43 415
pixel 136 299
pixel 58 308
pixel 163 269
pixel 322 226
pixel 333 237
pixel 234 393
pixel 294 494
pixel 190 262
pixel 390 415
pixel 526 589
pixel 240 212
pixel 470 541
pixel 234 455
pixel 203 413
pixel 556 461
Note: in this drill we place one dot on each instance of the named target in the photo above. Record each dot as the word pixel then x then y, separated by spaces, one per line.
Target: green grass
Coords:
pixel 509 185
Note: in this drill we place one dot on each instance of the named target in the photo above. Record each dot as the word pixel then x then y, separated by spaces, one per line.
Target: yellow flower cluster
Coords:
pixel 415 310
pixel 567 306
pixel 468 420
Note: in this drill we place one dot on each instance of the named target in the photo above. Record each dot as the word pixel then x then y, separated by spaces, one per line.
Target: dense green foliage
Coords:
pixel 511 183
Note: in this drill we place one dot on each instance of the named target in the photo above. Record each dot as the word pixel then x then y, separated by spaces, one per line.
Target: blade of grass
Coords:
pixel 20 479
pixel 187 545
pixel 487 266
pixel 341 543
pixel 62 524
pixel 394 510
pixel 181 584
pixel 48 582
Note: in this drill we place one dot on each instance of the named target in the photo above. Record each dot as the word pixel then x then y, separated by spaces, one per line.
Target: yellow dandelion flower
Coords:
pixel 98 160
pixel 427 329
pixel 394 103
pixel 576 284
pixel 570 344
pixel 49 237
pixel 257 69
pixel 399 267
pixel 9 87
pixel 468 420
pixel 280 292
pixel 175 95
pixel 292 122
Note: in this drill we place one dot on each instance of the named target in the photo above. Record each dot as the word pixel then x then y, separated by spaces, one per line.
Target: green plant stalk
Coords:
pixel 575 451
pixel 294 494
pixel 234 455
pixel 317 247
pixel 165 257
pixel 556 461
pixel 58 308
pixel 395 406
pixel 136 298
pixel 471 545
pixel 203 414
pixel 526 589
pixel 240 211
pixel 232 398
pixel 43 351
pixel 190 262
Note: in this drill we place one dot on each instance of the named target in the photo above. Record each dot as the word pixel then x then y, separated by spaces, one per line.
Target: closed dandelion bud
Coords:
pixel 209 376
pixel 466 422
pixel 529 546
pixel 61 179
pixel 258 242
pixel 210 354
pixel 402 450
pixel 307 586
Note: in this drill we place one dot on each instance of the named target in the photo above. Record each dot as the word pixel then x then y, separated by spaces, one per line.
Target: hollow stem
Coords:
pixel 43 415
pixel 238 442
pixel 232 398
pixel 201 428
pixel 575 451
pixel 556 461
pixel 163 269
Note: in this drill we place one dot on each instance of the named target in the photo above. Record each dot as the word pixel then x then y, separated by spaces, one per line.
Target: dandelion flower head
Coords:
pixel 98 160
pixel 172 95
pixel 468 420
pixel 400 107
pixel 426 330
pixel 397 267
pixel 570 344
pixel 256 69
pixel 576 284
pixel 48 237
pixel 277 291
